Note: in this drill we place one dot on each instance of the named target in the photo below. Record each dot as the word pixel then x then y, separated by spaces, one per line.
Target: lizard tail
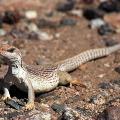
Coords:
pixel 74 62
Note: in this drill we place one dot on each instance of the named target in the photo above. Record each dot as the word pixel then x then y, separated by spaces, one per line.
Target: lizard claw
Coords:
pixel 29 106
pixel 77 82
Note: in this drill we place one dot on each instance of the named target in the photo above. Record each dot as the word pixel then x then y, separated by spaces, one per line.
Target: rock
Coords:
pixel 91 13
pixel 88 1
pixel 101 75
pixel 33 35
pixel 113 113
pixel 68 21
pixel 1 22
pixel 105 29
pixel 70 114
pixel 32 27
pixel 41 113
pixel 109 42
pixel 31 14
pixel 45 23
pixel 58 107
pixel 84 112
pixel 44 36
pixel 98 99
pixel 96 23
pixel 2 32
pixel 117 69
pixel 11 17
pixel 18 33
pixel 116 82
pixel 77 13
pixel 108 6
pixel 13 104
pixel 66 6
pixel 104 85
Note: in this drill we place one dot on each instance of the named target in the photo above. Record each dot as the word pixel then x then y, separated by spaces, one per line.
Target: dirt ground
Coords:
pixel 101 76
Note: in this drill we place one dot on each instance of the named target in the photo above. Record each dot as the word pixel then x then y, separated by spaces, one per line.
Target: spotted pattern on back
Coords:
pixel 42 71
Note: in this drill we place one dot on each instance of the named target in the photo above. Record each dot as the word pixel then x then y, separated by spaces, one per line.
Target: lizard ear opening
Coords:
pixel 11 50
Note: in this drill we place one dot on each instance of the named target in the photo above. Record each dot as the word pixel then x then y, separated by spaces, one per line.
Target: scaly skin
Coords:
pixel 35 79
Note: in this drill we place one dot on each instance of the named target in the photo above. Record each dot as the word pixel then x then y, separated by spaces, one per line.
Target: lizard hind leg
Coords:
pixel 65 78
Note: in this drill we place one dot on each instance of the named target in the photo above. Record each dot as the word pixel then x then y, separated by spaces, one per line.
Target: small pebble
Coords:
pixel 66 6
pixel 77 13
pixel 107 65
pixel 105 29
pixel 108 6
pixel 70 114
pixel 58 107
pixel 98 99
pixel 91 13
pixel 117 69
pixel 11 17
pixel 31 14
pixel 44 36
pixel 109 42
pixel 13 104
pixel 32 27
pixel 1 22
pixel 44 23
pixel 33 35
pixel 104 85
pixel 96 23
pixel 68 21
pixel 2 32
pixel 116 82
pixel 88 1
pixel 101 75
pixel 84 111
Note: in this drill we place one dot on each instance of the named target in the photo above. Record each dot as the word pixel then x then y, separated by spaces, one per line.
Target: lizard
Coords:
pixel 43 78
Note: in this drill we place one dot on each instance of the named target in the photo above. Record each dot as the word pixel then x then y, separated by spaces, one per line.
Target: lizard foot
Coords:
pixel 4 98
pixel 77 82
pixel 29 106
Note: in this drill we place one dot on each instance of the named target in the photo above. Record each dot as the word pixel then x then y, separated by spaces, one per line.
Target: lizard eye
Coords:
pixel 11 50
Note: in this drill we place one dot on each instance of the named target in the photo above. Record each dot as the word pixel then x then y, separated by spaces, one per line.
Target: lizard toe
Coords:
pixel 30 106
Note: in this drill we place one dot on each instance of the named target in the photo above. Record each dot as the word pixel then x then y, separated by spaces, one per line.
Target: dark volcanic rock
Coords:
pixel 108 6
pixel 13 104
pixel 105 29
pixel 58 107
pixel 91 13
pixel 104 85
pixel 68 21
pixel 70 114
pixel 67 6
pixel 11 17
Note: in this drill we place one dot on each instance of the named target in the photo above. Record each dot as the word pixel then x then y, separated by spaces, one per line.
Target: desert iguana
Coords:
pixel 43 78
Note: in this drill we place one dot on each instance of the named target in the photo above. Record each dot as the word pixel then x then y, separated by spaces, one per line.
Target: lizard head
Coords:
pixel 10 53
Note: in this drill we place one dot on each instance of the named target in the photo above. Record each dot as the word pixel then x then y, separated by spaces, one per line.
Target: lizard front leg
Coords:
pixel 6 94
pixel 30 104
